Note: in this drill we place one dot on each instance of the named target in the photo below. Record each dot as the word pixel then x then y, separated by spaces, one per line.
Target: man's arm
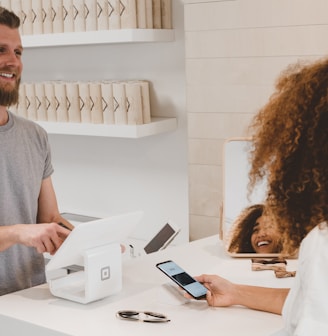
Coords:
pixel 48 211
pixel 47 236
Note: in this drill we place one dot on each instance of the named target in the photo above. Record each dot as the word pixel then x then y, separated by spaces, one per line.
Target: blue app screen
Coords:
pixel 185 280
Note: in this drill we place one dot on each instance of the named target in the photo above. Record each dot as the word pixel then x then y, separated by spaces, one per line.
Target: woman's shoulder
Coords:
pixel 319 230
pixel 316 240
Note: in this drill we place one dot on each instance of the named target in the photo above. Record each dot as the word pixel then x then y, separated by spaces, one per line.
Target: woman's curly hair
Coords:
pixel 290 148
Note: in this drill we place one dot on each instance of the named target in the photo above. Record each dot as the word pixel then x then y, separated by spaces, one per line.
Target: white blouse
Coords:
pixel 305 311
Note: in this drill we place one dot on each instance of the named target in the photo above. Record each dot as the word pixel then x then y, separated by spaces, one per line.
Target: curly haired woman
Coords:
pixel 290 148
pixel 254 232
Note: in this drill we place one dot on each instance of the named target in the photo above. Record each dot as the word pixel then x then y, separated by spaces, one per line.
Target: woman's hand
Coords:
pixel 221 292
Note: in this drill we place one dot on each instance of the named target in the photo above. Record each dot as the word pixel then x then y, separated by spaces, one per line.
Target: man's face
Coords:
pixel 10 65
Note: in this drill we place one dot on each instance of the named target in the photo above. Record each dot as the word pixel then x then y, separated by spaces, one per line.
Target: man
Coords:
pixel 29 214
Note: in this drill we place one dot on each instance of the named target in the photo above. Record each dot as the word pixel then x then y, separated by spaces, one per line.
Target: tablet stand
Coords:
pixel 101 277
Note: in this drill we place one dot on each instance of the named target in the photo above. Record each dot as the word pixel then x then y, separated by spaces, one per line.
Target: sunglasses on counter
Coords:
pixel 142 316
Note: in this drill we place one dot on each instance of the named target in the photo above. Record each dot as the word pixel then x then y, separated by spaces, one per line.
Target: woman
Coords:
pixel 290 147
pixel 254 232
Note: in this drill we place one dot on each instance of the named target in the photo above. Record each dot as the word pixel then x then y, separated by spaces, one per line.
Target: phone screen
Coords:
pixel 183 279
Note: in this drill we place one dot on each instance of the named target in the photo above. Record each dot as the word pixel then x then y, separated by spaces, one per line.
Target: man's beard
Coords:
pixel 9 98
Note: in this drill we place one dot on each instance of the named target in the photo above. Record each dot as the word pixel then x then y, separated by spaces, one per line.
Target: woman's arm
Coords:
pixel 223 293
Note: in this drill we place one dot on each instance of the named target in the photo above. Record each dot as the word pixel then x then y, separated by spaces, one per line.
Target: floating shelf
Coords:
pixel 157 126
pixel 98 37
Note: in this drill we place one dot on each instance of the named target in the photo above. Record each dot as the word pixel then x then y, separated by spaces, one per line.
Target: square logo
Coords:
pixel 105 273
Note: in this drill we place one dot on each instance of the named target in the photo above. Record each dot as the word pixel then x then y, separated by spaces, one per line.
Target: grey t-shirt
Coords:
pixel 25 160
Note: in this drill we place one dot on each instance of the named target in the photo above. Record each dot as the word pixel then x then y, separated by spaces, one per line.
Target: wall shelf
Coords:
pixel 98 37
pixel 157 126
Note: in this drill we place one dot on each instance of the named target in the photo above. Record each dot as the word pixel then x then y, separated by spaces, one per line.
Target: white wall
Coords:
pixel 102 176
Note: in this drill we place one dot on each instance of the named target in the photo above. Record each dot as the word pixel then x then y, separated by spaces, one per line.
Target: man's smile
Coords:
pixel 7 75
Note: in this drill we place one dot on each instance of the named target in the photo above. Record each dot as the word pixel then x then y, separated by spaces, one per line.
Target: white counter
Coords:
pixel 35 311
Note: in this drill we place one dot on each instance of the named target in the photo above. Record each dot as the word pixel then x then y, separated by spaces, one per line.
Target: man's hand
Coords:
pixel 46 237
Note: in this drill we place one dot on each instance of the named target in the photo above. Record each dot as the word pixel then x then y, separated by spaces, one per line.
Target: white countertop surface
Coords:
pixel 35 311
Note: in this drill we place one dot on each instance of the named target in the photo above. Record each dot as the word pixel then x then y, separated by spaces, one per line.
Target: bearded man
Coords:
pixel 29 214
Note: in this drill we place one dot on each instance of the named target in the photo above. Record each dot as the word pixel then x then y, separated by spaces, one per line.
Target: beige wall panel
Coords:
pixel 205 191
pixel 203 226
pixel 233 85
pixel 254 13
pixel 237 71
pixel 213 16
pixel 218 125
pixel 227 99
pixel 203 1
pixel 259 42
pixel 205 151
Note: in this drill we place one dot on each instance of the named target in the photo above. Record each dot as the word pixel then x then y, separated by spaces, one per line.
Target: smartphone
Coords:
pixel 183 279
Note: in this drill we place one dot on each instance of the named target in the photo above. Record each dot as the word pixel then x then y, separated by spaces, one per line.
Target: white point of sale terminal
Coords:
pixel 95 246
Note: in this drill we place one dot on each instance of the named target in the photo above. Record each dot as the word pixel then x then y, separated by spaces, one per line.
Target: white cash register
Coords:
pixel 94 245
